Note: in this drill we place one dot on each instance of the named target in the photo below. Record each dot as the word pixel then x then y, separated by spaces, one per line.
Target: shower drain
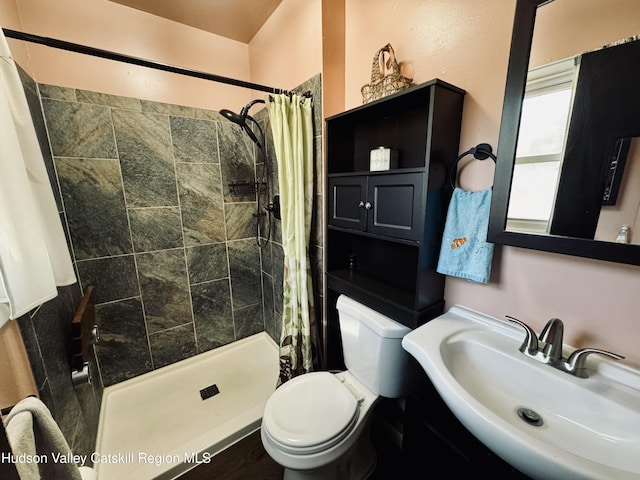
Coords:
pixel 209 391
pixel 530 416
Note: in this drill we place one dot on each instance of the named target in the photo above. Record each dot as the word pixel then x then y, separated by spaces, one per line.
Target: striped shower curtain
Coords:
pixel 291 124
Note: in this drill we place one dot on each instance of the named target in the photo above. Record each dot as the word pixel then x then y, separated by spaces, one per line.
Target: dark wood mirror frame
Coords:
pixel 523 25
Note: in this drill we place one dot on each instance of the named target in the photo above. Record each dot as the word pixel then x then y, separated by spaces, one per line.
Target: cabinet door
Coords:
pixel 394 205
pixel 347 197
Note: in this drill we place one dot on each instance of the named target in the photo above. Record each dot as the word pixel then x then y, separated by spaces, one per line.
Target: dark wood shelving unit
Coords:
pixel 384 227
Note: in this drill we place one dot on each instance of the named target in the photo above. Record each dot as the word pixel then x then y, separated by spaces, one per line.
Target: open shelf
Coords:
pixel 384 227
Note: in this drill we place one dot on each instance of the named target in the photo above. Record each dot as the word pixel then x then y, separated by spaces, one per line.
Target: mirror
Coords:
pixel 568 182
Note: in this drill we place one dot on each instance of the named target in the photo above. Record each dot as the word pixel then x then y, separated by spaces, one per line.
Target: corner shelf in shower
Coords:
pixel 244 187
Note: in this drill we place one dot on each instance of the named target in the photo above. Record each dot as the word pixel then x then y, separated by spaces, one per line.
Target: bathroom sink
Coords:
pixel 545 422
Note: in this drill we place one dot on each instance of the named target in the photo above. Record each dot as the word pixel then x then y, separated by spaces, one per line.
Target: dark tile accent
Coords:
pixel 146 158
pixel 194 140
pixel 79 130
pixel 113 277
pixel 173 345
pixel 207 262
pixel 155 228
pixel 212 314
pixel 165 289
pixel 244 267
pixel 94 202
pixel 201 203
pixel 248 320
pixel 123 350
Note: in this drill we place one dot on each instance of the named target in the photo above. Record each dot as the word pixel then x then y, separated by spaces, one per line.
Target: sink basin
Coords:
pixel 544 422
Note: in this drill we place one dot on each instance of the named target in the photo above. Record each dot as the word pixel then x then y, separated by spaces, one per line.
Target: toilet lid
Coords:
pixel 310 410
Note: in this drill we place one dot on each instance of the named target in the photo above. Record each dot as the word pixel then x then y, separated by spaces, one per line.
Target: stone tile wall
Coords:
pixel 46 332
pixel 143 190
pixel 155 227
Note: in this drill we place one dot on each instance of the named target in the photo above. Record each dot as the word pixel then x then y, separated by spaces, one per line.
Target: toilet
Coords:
pixel 317 425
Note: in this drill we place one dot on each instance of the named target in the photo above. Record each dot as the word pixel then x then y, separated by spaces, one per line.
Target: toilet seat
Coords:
pixel 310 413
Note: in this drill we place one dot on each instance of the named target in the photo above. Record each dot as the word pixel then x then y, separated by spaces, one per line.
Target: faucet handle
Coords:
pixel 577 362
pixel 530 343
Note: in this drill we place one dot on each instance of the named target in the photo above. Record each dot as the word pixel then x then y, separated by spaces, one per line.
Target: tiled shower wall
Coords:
pixel 143 190
pixel 156 229
pixel 46 332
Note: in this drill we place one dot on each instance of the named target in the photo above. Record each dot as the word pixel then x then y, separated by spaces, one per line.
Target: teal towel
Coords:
pixel 465 251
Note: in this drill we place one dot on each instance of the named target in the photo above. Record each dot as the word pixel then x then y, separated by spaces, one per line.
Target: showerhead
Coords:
pixel 233 117
pixel 241 119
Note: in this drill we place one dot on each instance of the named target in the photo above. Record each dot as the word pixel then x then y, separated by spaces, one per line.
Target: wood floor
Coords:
pixel 245 460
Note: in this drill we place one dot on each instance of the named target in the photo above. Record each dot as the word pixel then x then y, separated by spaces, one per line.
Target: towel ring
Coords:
pixel 482 151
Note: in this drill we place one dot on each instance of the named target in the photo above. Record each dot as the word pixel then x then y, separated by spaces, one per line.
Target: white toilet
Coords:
pixel 317 425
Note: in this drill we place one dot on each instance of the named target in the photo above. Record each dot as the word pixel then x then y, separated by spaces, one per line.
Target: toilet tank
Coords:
pixel 372 349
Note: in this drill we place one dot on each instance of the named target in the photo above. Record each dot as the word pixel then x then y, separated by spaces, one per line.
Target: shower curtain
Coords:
pixel 34 257
pixel 291 125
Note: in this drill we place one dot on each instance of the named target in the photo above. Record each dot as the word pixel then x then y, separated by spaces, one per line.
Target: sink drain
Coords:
pixel 530 416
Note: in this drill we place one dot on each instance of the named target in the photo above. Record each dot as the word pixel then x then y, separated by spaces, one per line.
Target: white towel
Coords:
pixel 35 437
pixel 34 257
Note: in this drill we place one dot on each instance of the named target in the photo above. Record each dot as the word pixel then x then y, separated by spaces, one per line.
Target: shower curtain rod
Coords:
pixel 97 52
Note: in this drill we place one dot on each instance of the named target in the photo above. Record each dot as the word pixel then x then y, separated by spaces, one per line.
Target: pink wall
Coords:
pixel 466 42
pixel 110 26
pixel 288 48
pixel 285 52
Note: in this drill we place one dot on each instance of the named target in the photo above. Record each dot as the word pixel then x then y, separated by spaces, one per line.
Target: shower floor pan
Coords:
pixel 163 423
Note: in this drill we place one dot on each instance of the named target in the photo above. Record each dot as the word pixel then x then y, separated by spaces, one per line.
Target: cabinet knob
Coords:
pixel 361 204
pixel 368 205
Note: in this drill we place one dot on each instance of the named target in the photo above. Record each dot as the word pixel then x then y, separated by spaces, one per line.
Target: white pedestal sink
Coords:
pixel 545 422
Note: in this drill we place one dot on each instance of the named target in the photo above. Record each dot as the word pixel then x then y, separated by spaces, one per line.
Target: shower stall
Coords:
pixel 144 191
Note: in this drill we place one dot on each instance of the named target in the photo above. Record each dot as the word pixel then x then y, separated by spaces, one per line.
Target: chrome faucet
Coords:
pixel 551 336
pixel 548 348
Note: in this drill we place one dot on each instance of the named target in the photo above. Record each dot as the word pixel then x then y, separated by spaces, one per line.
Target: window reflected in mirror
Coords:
pixel 577 120
pixel 543 131
pixel 568 180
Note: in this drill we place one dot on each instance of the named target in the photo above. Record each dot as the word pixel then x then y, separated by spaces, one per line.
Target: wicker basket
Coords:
pixel 384 81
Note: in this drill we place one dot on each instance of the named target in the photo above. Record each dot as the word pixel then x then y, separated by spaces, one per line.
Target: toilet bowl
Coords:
pixel 317 425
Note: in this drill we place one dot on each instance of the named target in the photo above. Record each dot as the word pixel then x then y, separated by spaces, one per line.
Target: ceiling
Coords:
pixel 235 19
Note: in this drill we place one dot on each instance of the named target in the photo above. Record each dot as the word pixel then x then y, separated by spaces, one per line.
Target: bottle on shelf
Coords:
pixel 623 234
